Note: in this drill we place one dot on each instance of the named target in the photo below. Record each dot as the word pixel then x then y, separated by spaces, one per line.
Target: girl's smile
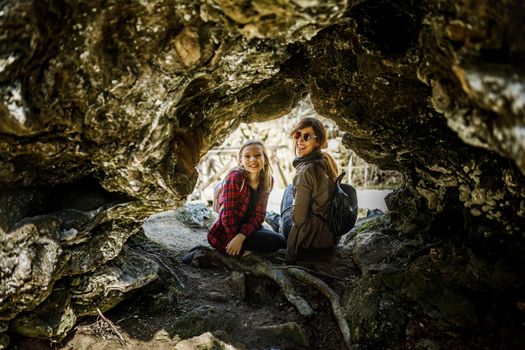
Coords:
pixel 252 159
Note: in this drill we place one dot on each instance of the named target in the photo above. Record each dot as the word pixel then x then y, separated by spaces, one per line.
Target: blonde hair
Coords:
pixel 321 141
pixel 265 176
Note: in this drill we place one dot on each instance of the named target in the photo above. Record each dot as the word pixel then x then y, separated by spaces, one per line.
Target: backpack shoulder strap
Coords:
pixel 340 177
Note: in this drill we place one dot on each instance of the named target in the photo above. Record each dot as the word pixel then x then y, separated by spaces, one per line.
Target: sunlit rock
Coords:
pixel 108 285
pixel 195 215
pixel 38 250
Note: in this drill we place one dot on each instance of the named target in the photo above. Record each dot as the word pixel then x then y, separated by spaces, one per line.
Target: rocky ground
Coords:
pixel 210 301
pixel 206 303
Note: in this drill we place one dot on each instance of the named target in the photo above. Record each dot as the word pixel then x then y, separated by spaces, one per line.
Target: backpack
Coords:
pixel 218 191
pixel 342 214
pixel 218 194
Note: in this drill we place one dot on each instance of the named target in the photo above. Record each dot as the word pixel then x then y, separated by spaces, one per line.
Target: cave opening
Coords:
pixel 371 182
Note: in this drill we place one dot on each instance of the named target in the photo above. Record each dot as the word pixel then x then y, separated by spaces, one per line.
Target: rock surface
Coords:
pixel 427 286
pixel 106 107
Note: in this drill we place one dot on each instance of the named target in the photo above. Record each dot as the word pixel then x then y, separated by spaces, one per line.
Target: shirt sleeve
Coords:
pixel 255 221
pixel 229 214
pixel 302 198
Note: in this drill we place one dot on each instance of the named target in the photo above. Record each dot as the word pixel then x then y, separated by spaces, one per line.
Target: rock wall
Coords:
pixel 107 107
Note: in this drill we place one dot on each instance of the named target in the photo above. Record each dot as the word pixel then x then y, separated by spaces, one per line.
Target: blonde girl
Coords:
pixel 245 194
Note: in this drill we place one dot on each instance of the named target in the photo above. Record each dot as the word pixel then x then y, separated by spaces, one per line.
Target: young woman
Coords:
pixel 306 204
pixel 244 199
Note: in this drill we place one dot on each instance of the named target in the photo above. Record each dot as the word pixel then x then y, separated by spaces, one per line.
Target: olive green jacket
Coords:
pixel 312 194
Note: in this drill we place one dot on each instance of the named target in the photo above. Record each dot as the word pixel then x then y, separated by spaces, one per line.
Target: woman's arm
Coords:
pixel 302 199
pixel 303 186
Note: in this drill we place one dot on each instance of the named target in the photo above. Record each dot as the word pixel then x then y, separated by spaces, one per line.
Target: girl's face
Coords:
pixel 305 141
pixel 252 159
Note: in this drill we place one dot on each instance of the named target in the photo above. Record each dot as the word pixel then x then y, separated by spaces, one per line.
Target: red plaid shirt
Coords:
pixel 235 205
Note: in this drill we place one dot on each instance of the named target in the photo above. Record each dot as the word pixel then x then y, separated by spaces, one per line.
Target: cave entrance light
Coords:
pixel 372 183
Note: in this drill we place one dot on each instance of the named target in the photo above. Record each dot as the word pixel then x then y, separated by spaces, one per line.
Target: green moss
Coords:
pixel 373 224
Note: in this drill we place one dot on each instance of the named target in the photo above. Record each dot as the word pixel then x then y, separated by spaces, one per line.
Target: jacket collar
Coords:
pixel 307 158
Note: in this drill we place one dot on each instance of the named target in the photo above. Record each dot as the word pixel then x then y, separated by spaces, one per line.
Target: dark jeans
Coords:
pixel 286 212
pixel 264 241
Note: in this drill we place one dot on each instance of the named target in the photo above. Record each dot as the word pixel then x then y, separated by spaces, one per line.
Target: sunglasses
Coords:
pixel 306 136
